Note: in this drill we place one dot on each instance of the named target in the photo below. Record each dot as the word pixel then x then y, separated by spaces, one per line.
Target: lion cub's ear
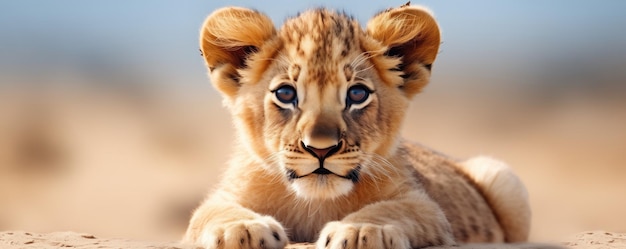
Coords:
pixel 411 33
pixel 227 38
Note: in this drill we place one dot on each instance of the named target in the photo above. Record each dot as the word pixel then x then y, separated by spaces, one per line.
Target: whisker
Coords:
pixel 272 164
pixel 362 57
pixel 282 61
pixel 365 69
pixel 381 169
pixel 316 210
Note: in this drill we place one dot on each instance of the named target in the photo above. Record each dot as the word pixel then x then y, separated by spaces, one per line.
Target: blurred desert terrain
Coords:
pixel 109 125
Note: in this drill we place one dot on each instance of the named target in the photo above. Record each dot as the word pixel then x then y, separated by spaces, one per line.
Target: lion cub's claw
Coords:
pixel 260 233
pixel 361 235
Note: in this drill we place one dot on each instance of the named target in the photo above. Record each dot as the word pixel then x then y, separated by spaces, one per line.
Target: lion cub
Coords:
pixel 318 106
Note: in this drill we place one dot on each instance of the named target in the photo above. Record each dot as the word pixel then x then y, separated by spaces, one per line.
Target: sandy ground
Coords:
pixel 18 239
pixel 15 240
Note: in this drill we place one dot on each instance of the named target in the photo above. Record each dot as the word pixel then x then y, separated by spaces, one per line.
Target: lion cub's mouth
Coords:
pixel 353 175
pixel 322 171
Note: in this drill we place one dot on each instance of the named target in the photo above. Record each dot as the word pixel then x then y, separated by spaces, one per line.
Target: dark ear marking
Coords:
pixel 235 77
pixel 242 54
pixel 248 50
pixel 412 36
pixel 393 52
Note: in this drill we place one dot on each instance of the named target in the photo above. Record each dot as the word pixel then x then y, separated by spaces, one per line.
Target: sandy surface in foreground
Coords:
pixel 18 239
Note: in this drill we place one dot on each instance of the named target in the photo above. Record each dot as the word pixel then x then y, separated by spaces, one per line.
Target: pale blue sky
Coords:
pixel 161 36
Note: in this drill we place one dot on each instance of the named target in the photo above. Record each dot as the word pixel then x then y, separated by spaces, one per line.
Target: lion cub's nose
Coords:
pixel 321 137
pixel 322 153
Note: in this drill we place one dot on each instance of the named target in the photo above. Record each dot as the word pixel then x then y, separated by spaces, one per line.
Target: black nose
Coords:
pixel 321 154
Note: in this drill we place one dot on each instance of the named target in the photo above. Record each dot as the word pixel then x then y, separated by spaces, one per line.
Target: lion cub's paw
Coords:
pixel 338 234
pixel 262 233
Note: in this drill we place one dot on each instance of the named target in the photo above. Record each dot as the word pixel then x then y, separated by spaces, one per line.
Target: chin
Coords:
pixel 321 187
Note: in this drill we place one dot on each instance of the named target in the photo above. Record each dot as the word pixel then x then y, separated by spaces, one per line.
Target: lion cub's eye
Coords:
pixel 286 94
pixel 358 94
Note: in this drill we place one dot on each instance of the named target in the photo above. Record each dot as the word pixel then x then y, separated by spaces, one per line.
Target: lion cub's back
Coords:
pixel 461 199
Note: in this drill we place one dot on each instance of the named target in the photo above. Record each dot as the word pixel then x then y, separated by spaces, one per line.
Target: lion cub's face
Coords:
pixel 319 102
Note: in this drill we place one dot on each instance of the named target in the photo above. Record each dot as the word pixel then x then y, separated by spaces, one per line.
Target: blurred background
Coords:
pixel 109 125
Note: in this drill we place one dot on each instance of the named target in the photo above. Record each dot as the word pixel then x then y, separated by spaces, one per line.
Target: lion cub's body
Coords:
pixel 318 106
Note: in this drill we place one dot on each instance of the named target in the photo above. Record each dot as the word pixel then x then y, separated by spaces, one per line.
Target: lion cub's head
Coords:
pixel 320 101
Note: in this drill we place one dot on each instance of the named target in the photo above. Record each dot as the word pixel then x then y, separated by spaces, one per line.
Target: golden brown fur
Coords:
pixel 318 106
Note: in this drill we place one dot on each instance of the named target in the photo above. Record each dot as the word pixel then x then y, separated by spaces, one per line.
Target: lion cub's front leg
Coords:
pixel 220 225
pixel 410 222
